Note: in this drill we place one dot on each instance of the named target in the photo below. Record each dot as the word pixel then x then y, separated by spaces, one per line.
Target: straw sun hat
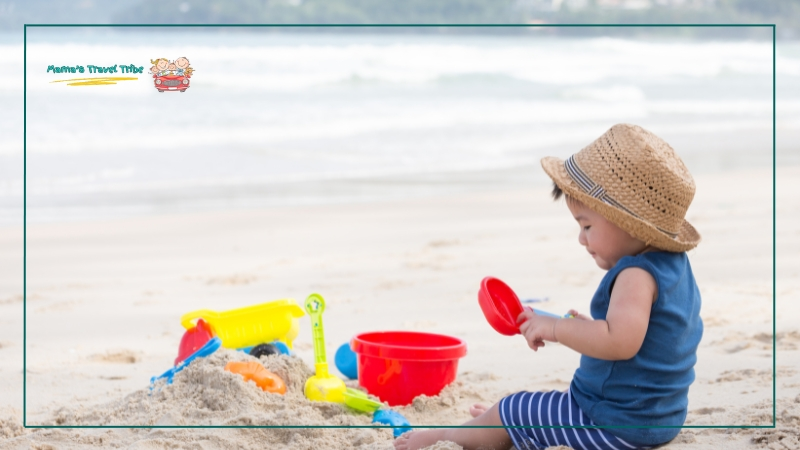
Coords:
pixel 635 180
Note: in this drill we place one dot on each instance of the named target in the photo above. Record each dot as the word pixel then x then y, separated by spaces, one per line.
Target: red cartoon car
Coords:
pixel 171 82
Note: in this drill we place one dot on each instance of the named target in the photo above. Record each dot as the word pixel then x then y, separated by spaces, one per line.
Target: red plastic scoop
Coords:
pixel 500 305
pixel 193 339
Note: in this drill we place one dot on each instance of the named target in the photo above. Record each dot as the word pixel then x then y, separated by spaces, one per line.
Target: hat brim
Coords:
pixel 687 237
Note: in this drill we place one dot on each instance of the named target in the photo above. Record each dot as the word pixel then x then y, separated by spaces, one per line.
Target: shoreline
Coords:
pixel 253 196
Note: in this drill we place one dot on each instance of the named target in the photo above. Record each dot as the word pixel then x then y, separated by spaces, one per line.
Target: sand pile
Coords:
pixel 205 394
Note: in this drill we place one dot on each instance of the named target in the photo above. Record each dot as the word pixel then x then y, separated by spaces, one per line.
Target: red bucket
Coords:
pixel 397 366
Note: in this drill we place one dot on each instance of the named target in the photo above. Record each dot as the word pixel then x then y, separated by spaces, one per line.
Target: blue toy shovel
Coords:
pixel 393 419
pixel 210 347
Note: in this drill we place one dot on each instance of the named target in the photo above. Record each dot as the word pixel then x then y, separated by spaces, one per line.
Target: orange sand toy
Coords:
pixel 263 378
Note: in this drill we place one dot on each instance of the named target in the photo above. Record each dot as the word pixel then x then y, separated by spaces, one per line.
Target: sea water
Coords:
pixel 308 118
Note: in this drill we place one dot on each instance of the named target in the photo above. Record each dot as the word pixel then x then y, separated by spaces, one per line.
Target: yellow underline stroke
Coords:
pixel 95 81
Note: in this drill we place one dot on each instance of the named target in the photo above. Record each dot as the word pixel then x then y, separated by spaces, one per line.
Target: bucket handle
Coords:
pixel 186 319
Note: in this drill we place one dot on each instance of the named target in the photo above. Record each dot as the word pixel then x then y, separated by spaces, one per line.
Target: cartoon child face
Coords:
pixel 154 69
pixel 171 66
pixel 162 64
pixel 182 62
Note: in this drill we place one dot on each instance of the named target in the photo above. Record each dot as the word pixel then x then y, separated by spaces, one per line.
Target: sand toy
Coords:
pixel 501 306
pixel 360 401
pixel 397 366
pixel 193 339
pixel 259 350
pixel 252 370
pixel 251 325
pixel 264 350
pixel 392 418
pixel 210 347
pixel 322 387
pixel 346 361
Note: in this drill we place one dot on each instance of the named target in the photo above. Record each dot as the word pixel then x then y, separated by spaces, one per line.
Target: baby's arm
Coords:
pixel 618 337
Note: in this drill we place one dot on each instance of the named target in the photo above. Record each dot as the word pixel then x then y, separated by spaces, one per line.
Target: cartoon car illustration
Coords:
pixel 171 82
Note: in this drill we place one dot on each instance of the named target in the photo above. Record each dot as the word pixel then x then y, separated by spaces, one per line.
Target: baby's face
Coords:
pixel 171 66
pixel 606 242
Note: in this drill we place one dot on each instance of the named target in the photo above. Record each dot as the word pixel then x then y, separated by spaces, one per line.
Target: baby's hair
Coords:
pixel 558 192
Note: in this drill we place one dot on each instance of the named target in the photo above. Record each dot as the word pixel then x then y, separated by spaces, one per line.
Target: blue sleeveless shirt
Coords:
pixel 652 387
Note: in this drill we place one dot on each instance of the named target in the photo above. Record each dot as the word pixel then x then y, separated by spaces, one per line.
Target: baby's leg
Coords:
pixel 469 438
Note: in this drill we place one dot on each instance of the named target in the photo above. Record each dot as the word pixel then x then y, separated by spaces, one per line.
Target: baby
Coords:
pixel 629 193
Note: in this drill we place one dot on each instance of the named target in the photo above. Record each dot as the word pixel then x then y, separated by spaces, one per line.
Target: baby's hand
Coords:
pixel 576 315
pixel 536 328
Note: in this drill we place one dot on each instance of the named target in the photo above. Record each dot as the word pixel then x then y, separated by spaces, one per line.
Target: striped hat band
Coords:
pixel 596 191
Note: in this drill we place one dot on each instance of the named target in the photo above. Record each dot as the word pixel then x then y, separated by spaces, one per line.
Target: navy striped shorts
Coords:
pixel 553 408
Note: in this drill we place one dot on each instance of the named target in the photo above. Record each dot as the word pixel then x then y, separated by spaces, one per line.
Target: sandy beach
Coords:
pixel 104 300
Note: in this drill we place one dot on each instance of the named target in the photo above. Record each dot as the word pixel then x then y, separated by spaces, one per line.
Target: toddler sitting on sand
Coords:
pixel 629 193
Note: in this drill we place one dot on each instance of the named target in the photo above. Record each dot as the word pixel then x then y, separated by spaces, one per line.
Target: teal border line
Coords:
pixel 774 265
pixel 407 25
pixel 25 223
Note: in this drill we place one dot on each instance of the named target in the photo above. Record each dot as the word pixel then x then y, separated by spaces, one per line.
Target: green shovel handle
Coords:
pixel 314 305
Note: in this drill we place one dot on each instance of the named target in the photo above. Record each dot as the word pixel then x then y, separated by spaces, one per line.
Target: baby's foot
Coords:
pixel 477 409
pixel 414 440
